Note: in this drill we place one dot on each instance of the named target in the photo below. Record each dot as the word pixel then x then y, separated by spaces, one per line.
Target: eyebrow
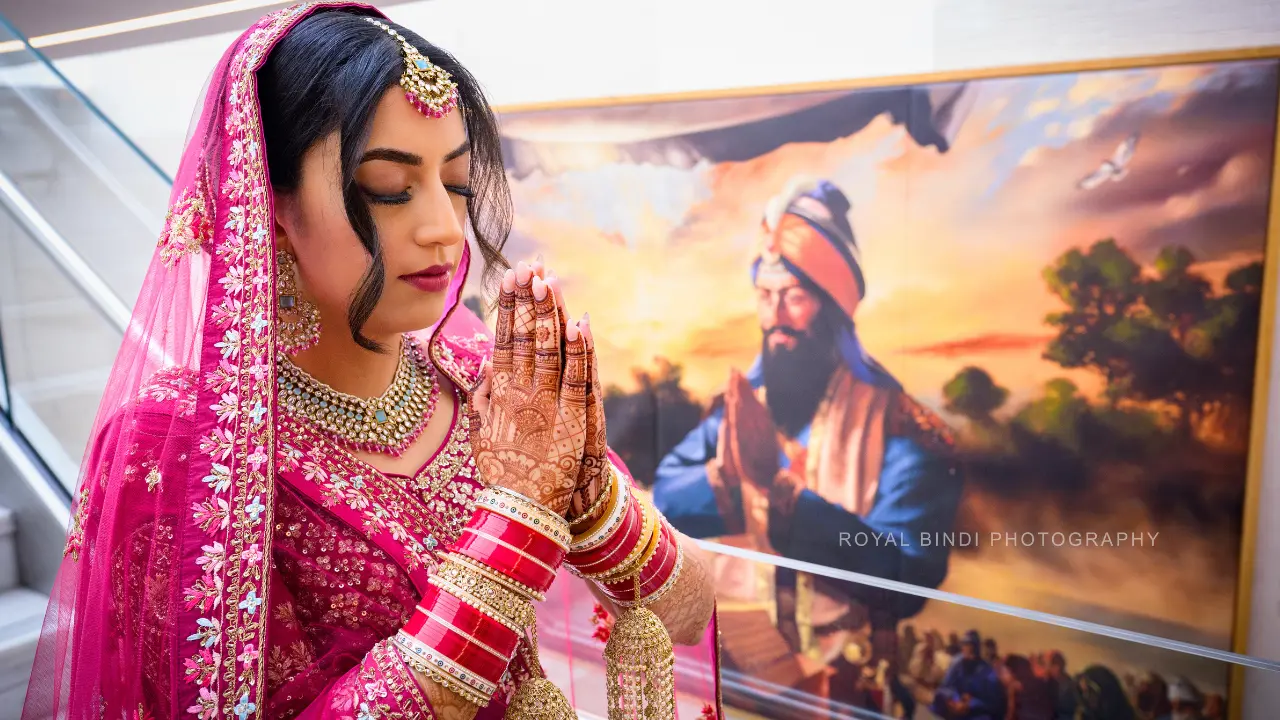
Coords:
pixel 459 151
pixel 408 158
pixel 391 155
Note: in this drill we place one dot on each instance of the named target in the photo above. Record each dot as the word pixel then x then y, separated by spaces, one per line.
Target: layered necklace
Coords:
pixel 387 424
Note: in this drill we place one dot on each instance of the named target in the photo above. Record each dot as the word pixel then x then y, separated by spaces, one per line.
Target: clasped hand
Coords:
pixel 537 413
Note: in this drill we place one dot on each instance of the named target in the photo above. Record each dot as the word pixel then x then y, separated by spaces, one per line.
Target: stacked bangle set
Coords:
pixel 629 549
pixel 468 627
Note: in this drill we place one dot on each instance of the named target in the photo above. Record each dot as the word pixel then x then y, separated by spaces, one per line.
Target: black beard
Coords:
pixel 796 378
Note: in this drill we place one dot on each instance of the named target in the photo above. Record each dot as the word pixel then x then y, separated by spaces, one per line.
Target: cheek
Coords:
pixel 330 257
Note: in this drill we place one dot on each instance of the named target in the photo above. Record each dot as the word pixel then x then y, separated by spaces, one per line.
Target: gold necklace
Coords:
pixel 387 424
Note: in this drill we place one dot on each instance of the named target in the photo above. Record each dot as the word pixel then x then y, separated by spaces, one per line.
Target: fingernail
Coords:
pixel 552 276
pixel 571 331
pixel 538 259
pixel 509 281
pixel 586 318
pixel 539 289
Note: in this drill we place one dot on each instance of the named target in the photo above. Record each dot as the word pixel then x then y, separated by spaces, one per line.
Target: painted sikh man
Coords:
pixel 815 446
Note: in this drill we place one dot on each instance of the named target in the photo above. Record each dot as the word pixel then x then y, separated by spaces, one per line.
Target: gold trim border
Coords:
pixel 1271 265
pixel 1267 52
pixel 1257 437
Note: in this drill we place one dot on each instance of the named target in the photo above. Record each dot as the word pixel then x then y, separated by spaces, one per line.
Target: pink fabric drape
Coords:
pixel 201 577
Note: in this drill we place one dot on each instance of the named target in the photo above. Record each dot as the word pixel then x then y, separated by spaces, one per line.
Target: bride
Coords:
pixel 316 488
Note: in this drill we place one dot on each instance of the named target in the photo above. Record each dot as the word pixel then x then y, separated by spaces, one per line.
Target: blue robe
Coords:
pixel 918 492
pixel 987 696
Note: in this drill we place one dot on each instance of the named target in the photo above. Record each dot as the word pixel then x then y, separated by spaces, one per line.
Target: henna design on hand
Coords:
pixel 593 478
pixel 532 439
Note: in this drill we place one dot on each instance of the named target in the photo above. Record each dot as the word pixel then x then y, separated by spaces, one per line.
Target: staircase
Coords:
pixel 21 614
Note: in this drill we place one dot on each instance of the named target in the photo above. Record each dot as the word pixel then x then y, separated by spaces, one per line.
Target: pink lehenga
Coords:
pixel 224 559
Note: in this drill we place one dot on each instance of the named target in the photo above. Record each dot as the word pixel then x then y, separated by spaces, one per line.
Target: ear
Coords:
pixel 283 205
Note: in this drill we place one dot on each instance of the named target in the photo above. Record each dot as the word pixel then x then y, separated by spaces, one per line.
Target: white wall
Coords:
pixel 546 51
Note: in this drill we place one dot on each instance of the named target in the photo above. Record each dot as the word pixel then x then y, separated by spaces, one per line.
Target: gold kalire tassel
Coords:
pixel 538 698
pixel 640 668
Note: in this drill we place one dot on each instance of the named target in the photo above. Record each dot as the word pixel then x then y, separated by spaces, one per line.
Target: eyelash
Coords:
pixel 404 197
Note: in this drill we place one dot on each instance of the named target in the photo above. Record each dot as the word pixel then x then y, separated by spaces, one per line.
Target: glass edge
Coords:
pixel 1037 616
pixel 84 99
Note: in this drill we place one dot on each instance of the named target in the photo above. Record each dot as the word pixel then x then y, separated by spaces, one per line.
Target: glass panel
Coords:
pixel 93 185
pixel 58 350
pixel 894 655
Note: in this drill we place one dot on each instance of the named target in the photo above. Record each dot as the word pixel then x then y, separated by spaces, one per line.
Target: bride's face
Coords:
pixel 414 175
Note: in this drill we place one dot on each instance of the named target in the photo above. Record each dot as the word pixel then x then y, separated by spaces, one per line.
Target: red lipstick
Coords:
pixel 433 279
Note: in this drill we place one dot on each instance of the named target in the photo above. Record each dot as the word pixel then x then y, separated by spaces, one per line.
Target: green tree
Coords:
pixel 1167 339
pixel 1101 288
pixel 1061 414
pixel 974 395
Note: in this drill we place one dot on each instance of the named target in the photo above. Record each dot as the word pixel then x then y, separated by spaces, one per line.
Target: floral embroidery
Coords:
pixel 287 661
pixel 187 228
pixel 171 385
pixel 438 510
pixel 75 538
pixel 228 676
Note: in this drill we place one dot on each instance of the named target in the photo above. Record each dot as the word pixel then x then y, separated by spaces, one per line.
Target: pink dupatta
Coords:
pixel 161 607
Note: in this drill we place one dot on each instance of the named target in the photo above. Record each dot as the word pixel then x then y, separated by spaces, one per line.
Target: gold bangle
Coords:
pixel 663 590
pixel 486 596
pixel 629 564
pixel 596 505
pixel 650 552
pixel 514 586
pixel 512 548
pixel 586 571
pixel 608 524
pixel 424 659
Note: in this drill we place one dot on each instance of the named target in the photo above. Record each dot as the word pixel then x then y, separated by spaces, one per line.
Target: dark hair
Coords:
pixel 329 73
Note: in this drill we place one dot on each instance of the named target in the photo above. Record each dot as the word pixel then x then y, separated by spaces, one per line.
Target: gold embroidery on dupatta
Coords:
pixel 75 538
pixel 187 227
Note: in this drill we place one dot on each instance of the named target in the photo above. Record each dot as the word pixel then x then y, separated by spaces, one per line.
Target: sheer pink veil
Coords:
pixel 156 610
pixel 159 609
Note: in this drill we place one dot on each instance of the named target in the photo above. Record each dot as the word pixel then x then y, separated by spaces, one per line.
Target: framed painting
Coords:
pixel 996 334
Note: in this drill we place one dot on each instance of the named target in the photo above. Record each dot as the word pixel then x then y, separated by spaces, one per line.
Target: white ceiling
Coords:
pixel 34 18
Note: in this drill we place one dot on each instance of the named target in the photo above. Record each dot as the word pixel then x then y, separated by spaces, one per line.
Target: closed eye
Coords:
pixel 399 198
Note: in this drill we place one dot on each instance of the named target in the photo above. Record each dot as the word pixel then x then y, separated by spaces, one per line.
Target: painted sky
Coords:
pixel 953 244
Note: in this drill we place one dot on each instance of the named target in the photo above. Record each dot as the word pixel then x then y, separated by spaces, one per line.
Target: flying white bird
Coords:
pixel 1113 168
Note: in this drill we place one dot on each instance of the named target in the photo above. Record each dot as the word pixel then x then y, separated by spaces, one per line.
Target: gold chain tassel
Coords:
pixel 640 668
pixel 538 698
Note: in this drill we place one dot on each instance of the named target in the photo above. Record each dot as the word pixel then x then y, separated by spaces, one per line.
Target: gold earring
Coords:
pixel 298 320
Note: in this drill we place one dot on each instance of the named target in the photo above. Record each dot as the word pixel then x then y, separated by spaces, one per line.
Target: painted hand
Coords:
pixel 594 476
pixel 748 446
pixel 532 437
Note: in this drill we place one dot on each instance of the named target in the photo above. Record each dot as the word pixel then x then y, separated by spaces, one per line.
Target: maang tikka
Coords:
pixel 297 319
pixel 428 86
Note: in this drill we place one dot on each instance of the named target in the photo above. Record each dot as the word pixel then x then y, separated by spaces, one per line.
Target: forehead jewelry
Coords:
pixel 428 86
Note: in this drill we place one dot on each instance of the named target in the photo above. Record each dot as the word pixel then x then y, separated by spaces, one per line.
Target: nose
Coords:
pixel 439 224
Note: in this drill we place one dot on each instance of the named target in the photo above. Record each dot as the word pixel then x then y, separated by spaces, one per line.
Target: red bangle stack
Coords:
pixel 655 578
pixel 467 628
pixel 630 550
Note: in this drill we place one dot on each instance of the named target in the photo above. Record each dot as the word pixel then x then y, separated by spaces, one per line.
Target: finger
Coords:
pixel 522 342
pixel 505 323
pixel 553 282
pixel 575 385
pixel 539 267
pixel 547 365
pixel 597 438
